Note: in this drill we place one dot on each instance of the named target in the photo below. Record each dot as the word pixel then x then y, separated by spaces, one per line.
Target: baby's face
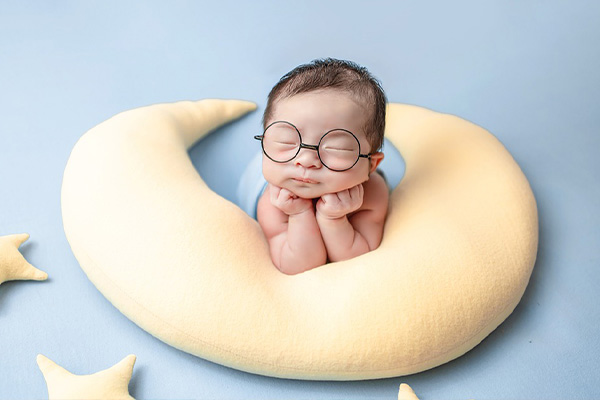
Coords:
pixel 315 113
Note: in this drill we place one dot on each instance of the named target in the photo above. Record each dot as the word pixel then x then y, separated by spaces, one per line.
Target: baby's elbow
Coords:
pixel 297 265
pixel 292 269
pixel 289 270
pixel 375 241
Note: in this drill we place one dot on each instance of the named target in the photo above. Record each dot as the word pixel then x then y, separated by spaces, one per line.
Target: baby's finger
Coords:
pixel 287 195
pixel 356 193
pixel 352 193
pixel 274 193
pixel 344 196
pixel 330 198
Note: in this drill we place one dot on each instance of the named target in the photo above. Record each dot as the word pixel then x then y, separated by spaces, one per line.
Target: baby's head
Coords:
pixel 330 96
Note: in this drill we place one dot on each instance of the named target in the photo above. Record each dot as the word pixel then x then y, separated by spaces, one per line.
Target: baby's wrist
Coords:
pixel 298 213
pixel 332 218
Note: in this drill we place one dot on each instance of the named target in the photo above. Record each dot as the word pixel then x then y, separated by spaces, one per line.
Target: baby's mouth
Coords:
pixel 305 180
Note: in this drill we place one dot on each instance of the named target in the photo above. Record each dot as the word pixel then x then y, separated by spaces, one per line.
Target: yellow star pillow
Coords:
pixel 406 393
pixel 111 383
pixel 12 264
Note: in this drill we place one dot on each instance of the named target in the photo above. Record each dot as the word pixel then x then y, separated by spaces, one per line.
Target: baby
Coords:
pixel 325 200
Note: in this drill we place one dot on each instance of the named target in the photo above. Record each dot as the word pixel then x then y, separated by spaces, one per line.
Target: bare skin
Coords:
pixel 311 215
pixel 306 233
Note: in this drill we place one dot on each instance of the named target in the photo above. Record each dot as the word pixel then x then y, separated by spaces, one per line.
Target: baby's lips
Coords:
pixel 305 180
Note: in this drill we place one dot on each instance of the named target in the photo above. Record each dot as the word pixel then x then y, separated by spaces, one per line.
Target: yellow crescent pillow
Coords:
pixel 194 270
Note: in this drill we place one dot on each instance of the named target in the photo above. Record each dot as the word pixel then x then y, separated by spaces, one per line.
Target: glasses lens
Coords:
pixel 339 150
pixel 281 142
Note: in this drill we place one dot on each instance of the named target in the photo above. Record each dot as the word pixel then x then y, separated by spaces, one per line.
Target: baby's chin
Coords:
pixel 306 194
pixel 310 191
pixel 305 191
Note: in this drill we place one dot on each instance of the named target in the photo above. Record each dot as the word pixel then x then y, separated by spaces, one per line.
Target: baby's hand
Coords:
pixel 288 202
pixel 337 205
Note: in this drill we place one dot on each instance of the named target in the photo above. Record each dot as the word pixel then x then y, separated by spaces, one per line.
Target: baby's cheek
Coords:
pixel 271 174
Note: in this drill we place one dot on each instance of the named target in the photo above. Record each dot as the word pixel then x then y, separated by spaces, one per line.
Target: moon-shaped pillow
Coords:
pixel 194 270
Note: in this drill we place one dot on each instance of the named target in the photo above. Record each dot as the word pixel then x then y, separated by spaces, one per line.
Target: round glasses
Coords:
pixel 338 149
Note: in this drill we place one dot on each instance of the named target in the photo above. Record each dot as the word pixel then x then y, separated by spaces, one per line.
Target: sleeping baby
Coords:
pixel 324 200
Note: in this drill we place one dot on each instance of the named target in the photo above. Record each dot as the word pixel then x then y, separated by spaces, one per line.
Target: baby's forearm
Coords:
pixel 302 247
pixel 341 240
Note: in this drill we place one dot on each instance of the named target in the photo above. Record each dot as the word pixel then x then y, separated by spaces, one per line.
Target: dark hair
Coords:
pixel 342 75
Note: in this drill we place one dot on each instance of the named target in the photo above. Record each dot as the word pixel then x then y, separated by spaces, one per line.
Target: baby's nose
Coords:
pixel 308 158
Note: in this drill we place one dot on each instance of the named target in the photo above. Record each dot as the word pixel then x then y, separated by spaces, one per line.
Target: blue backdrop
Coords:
pixel 526 71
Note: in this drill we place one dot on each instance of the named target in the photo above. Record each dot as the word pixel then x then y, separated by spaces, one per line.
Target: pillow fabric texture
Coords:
pixel 194 270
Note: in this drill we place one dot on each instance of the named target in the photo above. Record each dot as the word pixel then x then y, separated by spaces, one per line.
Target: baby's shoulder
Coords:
pixel 376 184
pixel 376 192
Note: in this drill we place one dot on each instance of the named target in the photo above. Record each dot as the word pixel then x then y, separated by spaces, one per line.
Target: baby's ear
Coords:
pixel 376 159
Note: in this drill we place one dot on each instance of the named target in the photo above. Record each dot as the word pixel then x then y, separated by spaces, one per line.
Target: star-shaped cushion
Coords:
pixel 12 264
pixel 111 383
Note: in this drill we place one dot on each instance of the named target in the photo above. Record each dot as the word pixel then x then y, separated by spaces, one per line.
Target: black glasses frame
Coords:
pixel 311 146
